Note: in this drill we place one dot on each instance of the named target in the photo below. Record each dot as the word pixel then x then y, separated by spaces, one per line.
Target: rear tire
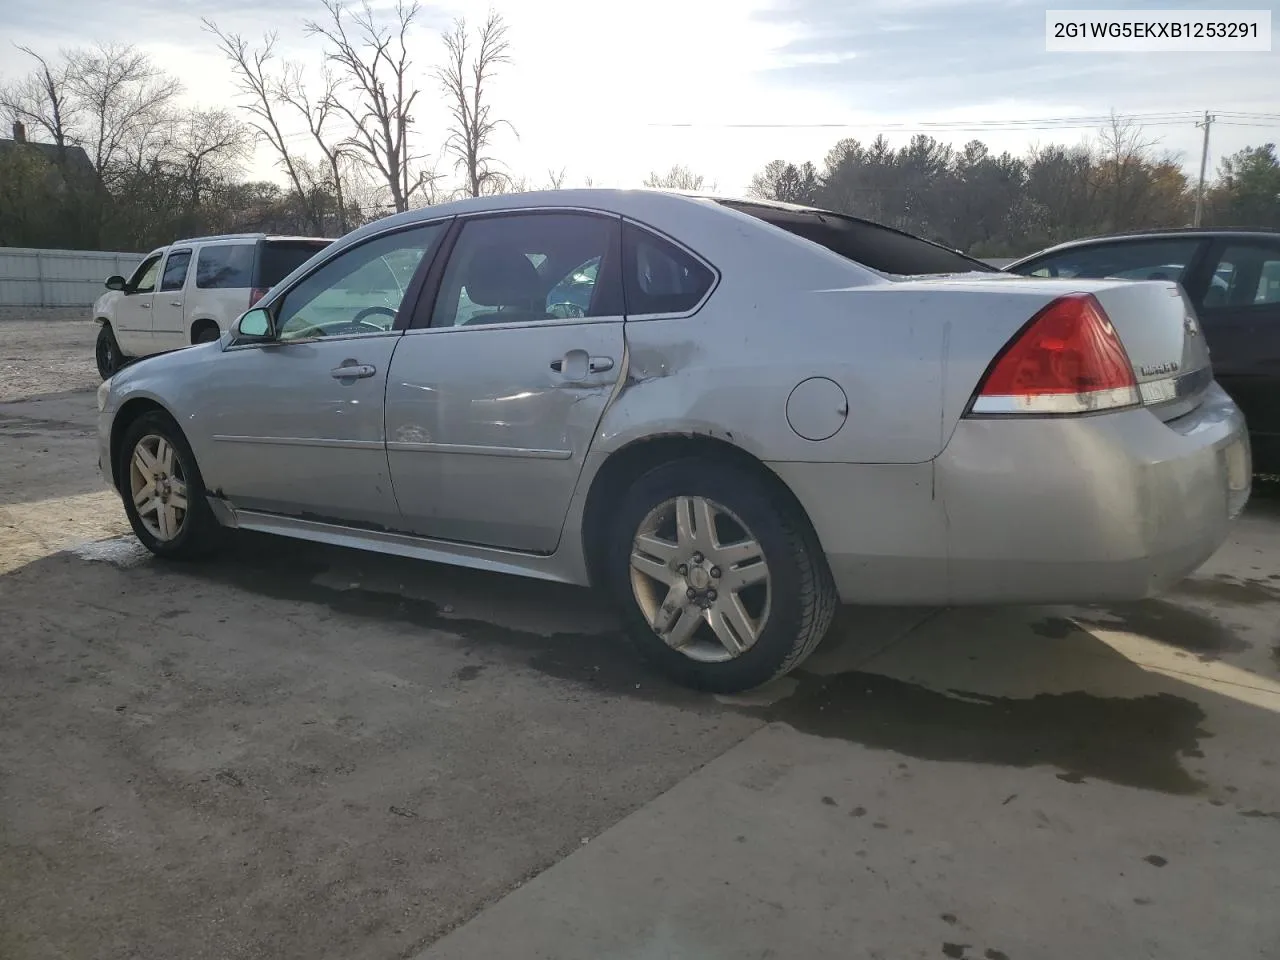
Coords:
pixel 107 352
pixel 742 599
pixel 163 492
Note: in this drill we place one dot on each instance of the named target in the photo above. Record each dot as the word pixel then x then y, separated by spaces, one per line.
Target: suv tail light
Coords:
pixel 256 294
pixel 1067 359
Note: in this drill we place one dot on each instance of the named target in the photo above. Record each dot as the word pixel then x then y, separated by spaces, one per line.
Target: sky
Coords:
pixel 612 92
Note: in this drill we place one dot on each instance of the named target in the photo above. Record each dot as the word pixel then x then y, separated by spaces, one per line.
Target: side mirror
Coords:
pixel 115 283
pixel 254 325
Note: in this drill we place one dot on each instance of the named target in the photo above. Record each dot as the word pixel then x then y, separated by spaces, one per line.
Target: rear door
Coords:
pixel 1240 311
pixel 494 398
pixel 168 331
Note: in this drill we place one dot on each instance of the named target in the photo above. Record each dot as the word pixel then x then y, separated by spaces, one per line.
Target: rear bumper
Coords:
pixel 1111 507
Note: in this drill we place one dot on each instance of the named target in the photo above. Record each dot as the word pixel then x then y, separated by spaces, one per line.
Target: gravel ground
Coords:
pixel 38 357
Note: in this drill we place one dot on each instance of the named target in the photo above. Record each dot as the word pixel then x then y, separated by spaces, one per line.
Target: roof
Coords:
pixel 76 157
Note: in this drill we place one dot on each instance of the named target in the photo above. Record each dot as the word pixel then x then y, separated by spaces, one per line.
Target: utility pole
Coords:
pixel 1204 161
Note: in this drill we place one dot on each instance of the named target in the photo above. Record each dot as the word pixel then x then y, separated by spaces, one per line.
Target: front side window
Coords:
pixel 144 278
pixel 659 277
pixel 175 270
pixel 225 266
pixel 1245 275
pixel 360 290
pixel 1128 260
pixel 525 268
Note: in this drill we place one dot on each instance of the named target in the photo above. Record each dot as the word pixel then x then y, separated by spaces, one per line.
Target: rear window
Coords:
pixel 870 244
pixel 225 266
pixel 279 258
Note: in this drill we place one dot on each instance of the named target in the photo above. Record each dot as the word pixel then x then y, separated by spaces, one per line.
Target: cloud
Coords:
pixel 931 55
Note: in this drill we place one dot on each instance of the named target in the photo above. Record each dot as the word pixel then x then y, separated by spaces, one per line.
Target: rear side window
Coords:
pixel 659 277
pixel 870 244
pixel 279 258
pixel 1127 260
pixel 225 266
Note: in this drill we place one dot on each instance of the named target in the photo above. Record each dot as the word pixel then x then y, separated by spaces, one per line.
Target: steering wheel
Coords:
pixel 564 310
pixel 370 311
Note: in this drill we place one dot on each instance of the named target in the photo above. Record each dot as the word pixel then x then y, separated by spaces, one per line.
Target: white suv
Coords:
pixel 167 304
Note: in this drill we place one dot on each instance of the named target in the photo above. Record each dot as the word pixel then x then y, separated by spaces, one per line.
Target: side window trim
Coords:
pixel 414 289
pixel 154 259
pixel 611 269
pixel 186 272
pixel 667 238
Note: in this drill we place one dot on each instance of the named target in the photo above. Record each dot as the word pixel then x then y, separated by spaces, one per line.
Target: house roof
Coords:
pixel 77 160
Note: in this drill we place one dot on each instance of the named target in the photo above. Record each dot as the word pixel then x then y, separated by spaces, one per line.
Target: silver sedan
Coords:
pixel 730 415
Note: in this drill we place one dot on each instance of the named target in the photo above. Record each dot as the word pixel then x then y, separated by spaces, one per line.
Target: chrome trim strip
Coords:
pixel 1058 403
pixel 518 325
pixel 1173 388
pixel 303 442
pixel 532 453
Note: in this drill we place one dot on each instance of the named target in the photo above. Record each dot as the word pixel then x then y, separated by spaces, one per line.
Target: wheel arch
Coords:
pixel 630 462
pixel 200 323
pixel 129 412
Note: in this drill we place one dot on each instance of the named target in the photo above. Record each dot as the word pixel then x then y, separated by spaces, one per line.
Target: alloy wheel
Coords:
pixel 158 486
pixel 701 579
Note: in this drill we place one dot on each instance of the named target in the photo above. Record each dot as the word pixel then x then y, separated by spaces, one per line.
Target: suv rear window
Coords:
pixel 870 244
pixel 279 258
pixel 224 266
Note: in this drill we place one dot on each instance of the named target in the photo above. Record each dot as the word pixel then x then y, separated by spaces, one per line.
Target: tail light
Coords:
pixel 1067 359
pixel 256 294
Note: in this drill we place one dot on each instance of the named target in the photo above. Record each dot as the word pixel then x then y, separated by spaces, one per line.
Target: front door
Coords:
pixel 133 308
pixel 168 331
pixel 491 408
pixel 1240 313
pixel 297 424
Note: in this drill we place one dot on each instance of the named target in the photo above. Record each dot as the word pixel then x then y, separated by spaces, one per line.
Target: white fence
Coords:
pixel 58 278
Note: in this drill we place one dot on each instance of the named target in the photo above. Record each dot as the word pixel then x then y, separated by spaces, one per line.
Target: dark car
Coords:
pixel 1232 276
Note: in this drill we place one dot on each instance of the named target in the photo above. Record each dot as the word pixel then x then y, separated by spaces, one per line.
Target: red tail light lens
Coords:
pixel 1067 359
pixel 256 294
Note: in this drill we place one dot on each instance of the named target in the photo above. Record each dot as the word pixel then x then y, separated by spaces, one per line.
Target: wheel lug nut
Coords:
pixel 711 594
pixel 715 572
pixel 691 593
pixel 697 558
pixel 683 569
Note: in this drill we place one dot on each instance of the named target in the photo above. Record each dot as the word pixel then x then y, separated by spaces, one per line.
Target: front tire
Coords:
pixel 720 582
pixel 107 352
pixel 163 492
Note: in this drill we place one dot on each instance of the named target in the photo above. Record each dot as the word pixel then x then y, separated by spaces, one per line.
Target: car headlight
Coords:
pixel 103 392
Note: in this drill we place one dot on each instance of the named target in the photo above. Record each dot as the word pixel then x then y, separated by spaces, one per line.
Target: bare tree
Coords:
pixel 557 178
pixel 317 112
pixel 678 178
pixel 208 148
pixel 373 59
pixel 43 102
pixel 260 94
pixel 121 98
pixel 464 79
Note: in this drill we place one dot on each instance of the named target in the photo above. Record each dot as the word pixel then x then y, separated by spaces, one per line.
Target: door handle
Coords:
pixel 594 364
pixel 351 370
pixel 175 303
pixel 145 306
